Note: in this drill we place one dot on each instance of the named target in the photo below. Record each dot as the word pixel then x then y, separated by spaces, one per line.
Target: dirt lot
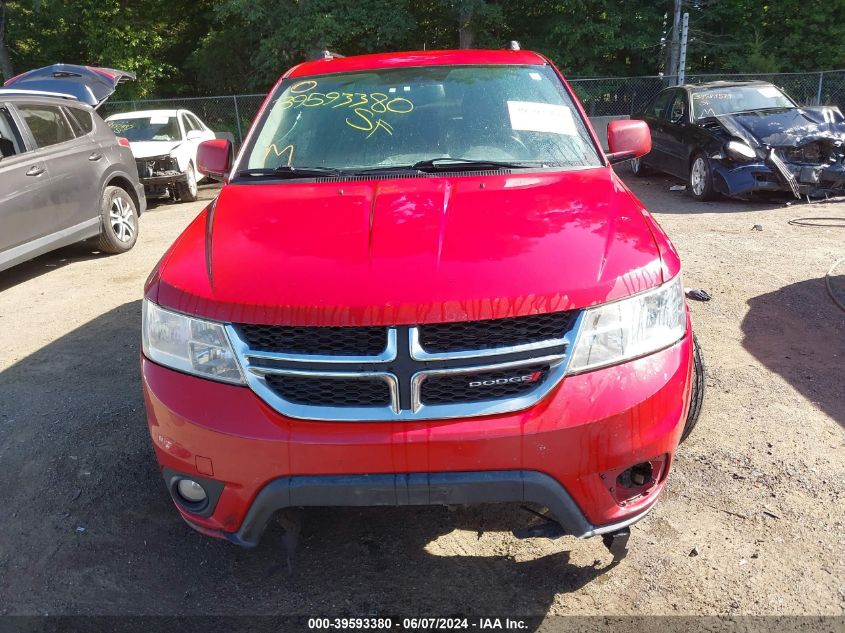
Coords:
pixel 757 491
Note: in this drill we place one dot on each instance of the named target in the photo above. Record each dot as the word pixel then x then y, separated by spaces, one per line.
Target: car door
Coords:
pixel 675 136
pixel 96 154
pixel 655 116
pixel 72 178
pixel 24 189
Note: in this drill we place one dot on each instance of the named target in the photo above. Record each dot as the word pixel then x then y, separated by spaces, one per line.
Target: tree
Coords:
pixel 139 36
pixel 782 36
pixel 6 68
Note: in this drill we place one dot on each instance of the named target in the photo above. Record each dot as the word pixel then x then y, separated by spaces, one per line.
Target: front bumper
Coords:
pixel 419 489
pixel 162 184
pixel 732 179
pixel 564 453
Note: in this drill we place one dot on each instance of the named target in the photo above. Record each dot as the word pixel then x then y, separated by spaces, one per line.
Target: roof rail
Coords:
pixel 18 92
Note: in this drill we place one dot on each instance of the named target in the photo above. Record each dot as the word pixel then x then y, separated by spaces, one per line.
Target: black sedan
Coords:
pixel 738 138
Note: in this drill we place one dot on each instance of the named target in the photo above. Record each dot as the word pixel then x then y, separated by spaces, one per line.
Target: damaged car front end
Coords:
pixel 160 175
pixel 800 150
pixel 742 138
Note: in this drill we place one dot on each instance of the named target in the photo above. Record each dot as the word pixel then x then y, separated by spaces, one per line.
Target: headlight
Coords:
pixel 740 151
pixel 187 344
pixel 615 332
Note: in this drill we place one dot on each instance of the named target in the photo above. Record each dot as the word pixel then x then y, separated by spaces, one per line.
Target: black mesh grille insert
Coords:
pixel 334 392
pixel 490 385
pixel 451 337
pixel 332 341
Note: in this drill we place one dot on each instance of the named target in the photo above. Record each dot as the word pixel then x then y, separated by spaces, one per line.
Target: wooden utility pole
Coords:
pixel 466 33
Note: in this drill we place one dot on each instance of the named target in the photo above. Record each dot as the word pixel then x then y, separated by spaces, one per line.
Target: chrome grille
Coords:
pixel 337 392
pixel 493 333
pixel 332 341
pixel 471 387
pixel 431 371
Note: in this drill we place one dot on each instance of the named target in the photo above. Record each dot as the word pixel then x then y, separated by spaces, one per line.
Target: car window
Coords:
pixel 152 128
pixel 189 123
pixel 678 109
pixel 80 120
pixel 198 125
pixel 11 142
pixel 400 116
pixel 658 106
pixel 731 99
pixel 47 124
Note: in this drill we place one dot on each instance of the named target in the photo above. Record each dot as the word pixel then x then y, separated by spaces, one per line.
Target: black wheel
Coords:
pixel 119 221
pixel 188 191
pixel 638 168
pixel 697 393
pixel 701 179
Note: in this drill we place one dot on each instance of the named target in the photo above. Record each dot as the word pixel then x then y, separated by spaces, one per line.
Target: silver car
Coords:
pixel 64 176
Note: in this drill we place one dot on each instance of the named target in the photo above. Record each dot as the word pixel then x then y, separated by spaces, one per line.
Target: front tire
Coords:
pixel 638 168
pixel 118 221
pixel 701 179
pixel 188 191
pixel 697 392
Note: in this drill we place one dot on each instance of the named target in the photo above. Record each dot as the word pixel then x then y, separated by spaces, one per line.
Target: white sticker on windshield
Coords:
pixel 769 91
pixel 159 120
pixel 535 76
pixel 541 117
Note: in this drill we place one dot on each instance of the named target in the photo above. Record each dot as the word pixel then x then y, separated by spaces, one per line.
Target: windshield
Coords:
pixel 153 128
pixel 401 116
pixel 737 99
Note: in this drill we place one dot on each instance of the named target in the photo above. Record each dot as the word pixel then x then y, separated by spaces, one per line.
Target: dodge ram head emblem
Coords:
pixel 532 377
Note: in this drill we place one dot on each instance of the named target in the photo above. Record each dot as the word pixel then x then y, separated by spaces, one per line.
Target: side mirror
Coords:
pixel 214 158
pixel 627 139
pixel 194 135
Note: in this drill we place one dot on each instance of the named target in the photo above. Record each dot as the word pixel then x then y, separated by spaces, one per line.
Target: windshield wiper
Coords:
pixel 445 163
pixel 288 171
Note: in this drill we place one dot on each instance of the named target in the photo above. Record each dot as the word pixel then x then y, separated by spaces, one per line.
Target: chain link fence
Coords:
pixel 601 96
pixel 623 96
pixel 231 114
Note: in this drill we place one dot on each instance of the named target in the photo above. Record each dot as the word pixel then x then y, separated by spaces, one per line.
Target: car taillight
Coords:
pixel 122 141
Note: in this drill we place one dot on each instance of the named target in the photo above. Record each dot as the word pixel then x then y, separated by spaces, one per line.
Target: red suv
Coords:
pixel 422 283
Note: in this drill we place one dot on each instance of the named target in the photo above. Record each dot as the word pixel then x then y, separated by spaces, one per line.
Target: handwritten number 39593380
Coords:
pixel 368 108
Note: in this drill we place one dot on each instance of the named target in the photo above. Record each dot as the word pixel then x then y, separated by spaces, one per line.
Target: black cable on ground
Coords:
pixel 835 223
pixel 830 285
pixel 819 222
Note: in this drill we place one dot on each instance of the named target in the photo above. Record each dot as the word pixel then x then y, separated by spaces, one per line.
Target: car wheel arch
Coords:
pixel 117 180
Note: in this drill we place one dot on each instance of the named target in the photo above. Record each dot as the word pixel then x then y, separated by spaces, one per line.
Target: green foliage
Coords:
pixel 753 36
pixel 231 46
pixel 140 36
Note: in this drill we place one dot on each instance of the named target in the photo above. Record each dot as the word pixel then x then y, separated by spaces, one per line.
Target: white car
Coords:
pixel 164 144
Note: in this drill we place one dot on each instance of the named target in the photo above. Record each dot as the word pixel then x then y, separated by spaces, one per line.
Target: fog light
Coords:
pixel 635 481
pixel 191 491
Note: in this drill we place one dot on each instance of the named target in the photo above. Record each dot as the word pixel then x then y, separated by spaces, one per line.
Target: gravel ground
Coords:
pixel 751 521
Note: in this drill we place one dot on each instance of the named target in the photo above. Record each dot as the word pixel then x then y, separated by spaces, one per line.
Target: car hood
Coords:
pixel 149 149
pixel 411 250
pixel 787 128
pixel 88 84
